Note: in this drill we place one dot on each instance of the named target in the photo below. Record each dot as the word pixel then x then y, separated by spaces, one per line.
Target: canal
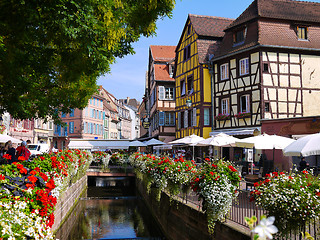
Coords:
pixel 110 209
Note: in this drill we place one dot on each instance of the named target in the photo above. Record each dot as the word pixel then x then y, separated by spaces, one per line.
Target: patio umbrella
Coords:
pixel 153 142
pixel 5 138
pixel 305 146
pixel 191 140
pixel 220 140
pixel 137 143
pixel 265 141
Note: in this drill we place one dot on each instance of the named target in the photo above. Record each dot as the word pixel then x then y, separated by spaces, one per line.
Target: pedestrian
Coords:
pixel 22 151
pixel 303 164
pixel 8 149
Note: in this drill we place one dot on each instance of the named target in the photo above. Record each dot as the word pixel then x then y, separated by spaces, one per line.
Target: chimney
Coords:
pixel 128 100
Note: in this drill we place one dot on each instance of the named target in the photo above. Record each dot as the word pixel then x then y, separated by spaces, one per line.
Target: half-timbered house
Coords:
pixel 200 37
pixel 267 66
pixel 161 93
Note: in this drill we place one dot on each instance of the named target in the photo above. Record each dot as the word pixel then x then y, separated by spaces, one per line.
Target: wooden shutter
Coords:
pixel 161 92
pixel 179 120
pixel 161 118
pixel 248 103
pixel 185 118
pixel 194 113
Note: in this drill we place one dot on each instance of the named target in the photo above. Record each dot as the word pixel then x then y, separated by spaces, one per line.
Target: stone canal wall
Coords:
pixel 184 221
pixel 68 201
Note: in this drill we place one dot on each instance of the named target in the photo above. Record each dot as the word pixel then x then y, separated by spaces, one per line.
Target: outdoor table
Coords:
pixel 250 179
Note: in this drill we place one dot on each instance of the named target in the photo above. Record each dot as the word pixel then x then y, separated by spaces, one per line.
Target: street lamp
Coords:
pixel 188 103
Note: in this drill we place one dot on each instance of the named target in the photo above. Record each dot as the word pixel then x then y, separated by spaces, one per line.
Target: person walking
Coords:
pixel 22 151
pixel 8 149
pixel 303 164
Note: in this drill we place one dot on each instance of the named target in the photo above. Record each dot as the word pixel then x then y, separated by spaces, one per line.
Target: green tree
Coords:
pixel 53 51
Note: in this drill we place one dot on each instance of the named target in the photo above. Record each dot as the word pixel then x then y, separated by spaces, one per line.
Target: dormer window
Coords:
pixel 239 36
pixel 302 33
pixel 171 70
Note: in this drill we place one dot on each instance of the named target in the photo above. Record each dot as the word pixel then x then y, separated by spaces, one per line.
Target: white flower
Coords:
pixel 265 229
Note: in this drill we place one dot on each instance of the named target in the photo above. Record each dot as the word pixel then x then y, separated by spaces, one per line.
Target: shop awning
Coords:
pixel 238 131
pixel 99 144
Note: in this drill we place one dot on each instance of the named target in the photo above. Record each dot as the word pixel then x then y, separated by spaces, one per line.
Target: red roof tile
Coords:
pixel 163 53
pixel 280 9
pixel 161 72
pixel 209 26
pixel 205 48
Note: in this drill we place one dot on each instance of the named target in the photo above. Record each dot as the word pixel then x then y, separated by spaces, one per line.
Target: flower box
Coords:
pixel 241 115
pixel 222 117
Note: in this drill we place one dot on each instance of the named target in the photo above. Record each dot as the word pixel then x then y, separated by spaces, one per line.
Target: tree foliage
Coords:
pixel 53 51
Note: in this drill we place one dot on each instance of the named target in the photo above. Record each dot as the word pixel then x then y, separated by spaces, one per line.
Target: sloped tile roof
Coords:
pixel 161 72
pixel 163 53
pixel 205 48
pixel 280 9
pixel 209 26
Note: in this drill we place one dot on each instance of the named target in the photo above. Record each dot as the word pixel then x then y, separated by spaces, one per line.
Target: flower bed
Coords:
pixel 101 159
pixel 163 172
pixel 293 199
pixel 30 189
pixel 216 183
pixel 241 115
pixel 221 117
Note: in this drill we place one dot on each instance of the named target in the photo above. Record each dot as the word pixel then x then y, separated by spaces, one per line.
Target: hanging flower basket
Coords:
pixel 221 117
pixel 241 115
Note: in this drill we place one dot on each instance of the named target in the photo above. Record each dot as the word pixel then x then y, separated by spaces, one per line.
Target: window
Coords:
pixel 190 84
pixel 169 93
pixel 71 127
pixel 244 66
pixel 225 106
pixel 267 107
pixel 245 103
pixel 224 71
pixel 190 118
pixel 239 36
pixel 206 116
pixel 183 87
pixel 171 70
pixel 186 53
pixel 169 119
pixel 71 113
pixel 63 115
pixel 194 115
pixel 302 33
pixel 266 67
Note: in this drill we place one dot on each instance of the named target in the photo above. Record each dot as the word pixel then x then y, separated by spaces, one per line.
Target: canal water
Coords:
pixel 110 209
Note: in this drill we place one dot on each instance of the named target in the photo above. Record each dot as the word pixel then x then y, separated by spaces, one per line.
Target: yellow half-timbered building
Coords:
pixel 199 40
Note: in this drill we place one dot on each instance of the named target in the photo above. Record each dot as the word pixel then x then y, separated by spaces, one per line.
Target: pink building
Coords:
pixel 83 124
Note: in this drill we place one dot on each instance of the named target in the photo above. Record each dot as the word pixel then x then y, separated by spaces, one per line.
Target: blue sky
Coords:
pixel 127 76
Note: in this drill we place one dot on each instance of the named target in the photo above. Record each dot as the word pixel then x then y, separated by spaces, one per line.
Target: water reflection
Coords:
pixel 112 219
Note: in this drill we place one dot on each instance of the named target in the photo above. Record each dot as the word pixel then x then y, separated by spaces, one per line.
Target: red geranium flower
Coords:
pixel 7 156
pixel 32 179
pixel 23 171
pixel 50 185
pixel 2 177
pixel 21 158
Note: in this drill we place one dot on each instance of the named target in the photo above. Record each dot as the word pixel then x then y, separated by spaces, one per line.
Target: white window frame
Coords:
pixel 244 66
pixel 247 103
pixel 225 106
pixel 169 93
pixel 224 71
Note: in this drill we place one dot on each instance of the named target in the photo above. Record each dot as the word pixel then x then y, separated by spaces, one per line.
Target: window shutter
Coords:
pixel 194 117
pixel 161 118
pixel 161 92
pixel 179 120
pixel 185 118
